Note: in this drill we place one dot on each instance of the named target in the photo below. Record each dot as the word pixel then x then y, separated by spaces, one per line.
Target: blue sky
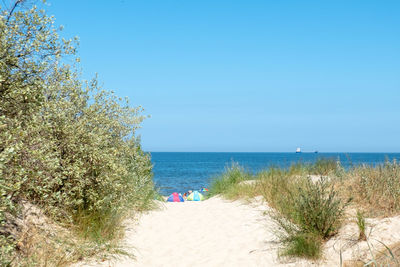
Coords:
pixel 248 75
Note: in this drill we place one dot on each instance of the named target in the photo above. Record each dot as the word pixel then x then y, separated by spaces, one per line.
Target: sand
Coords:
pixel 219 232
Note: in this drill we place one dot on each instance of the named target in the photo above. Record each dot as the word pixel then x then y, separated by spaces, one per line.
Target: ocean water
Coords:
pixel 183 171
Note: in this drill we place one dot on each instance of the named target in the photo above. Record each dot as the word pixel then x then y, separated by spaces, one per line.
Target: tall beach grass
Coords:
pixel 232 183
pixel 376 189
pixel 309 200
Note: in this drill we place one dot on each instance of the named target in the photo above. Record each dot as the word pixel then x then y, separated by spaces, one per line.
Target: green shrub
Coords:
pixel 317 208
pixel 306 213
pixel 65 145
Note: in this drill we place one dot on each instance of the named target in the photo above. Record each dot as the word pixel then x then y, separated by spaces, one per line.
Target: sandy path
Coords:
pixel 218 232
pixel 214 232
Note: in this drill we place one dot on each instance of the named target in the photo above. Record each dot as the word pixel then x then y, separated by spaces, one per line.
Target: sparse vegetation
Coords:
pixel 375 188
pixel 389 256
pixel 307 212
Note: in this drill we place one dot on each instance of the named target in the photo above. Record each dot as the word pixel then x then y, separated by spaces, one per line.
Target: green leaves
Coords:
pixel 65 145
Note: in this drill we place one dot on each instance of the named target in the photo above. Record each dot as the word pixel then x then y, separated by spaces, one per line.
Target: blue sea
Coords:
pixel 183 171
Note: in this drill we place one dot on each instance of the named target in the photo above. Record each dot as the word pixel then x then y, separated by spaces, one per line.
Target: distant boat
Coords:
pixel 316 151
pixel 298 150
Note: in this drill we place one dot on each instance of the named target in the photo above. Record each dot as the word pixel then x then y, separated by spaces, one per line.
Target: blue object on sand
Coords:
pixel 175 197
pixel 195 196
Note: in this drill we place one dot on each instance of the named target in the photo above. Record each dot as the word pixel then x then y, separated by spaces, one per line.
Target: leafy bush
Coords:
pixel 66 145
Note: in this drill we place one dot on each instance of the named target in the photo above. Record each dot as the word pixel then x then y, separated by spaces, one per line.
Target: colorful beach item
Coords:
pixel 195 196
pixel 175 197
pixel 204 189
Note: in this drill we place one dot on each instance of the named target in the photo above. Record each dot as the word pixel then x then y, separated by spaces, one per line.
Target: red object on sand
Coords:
pixel 175 197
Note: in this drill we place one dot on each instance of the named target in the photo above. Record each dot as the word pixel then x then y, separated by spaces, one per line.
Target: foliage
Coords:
pixel 317 208
pixel 306 212
pixel 66 145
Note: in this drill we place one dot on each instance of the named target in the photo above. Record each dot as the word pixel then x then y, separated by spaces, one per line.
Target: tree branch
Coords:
pixel 16 3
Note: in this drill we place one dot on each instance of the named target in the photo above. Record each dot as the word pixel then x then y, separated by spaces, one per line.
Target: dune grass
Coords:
pixel 376 189
pixel 306 212
pixel 40 247
pixel 231 183
pixel 361 224
pixel 309 200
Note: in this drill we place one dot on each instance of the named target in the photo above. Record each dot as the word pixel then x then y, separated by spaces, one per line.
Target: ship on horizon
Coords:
pixel 298 150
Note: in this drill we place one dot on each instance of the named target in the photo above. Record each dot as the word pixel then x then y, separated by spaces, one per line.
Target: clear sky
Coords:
pixel 248 75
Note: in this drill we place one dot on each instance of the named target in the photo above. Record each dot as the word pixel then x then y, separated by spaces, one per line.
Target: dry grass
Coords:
pixel 375 189
pixel 390 256
pixel 41 242
pixel 39 247
pixel 307 211
pixel 309 201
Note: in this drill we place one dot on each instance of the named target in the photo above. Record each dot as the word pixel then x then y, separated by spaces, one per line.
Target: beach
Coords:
pixel 214 232
pixel 199 133
pixel 219 232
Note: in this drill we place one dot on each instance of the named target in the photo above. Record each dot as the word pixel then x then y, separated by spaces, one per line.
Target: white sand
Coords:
pixel 218 232
pixel 215 232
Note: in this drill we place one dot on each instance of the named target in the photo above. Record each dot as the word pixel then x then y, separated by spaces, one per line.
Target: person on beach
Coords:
pixel 187 194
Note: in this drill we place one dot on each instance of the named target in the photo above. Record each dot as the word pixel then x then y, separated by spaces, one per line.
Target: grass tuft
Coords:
pixel 303 245
pixel 230 183
pixel 306 213
pixel 361 226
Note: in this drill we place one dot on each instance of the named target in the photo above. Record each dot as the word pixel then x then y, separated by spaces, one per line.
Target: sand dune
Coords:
pixel 218 232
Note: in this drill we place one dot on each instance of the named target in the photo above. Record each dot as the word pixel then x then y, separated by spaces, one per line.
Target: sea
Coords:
pixel 183 171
